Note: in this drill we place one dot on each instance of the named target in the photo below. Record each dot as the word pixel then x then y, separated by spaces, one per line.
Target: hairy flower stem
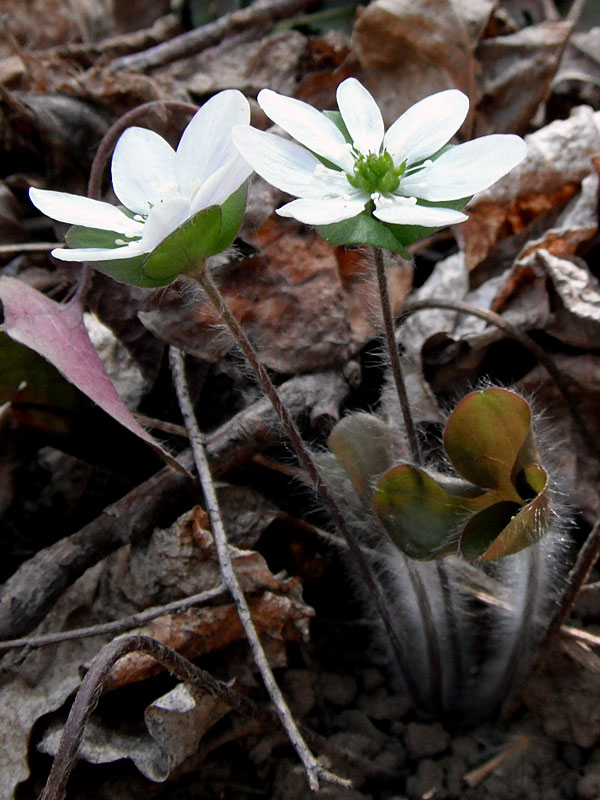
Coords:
pixel 211 290
pixel 429 631
pixel 390 338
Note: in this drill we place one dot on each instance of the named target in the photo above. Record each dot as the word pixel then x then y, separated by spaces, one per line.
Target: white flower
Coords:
pixel 161 187
pixel 386 173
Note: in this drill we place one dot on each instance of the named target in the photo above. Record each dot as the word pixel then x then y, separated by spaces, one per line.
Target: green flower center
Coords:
pixel 376 173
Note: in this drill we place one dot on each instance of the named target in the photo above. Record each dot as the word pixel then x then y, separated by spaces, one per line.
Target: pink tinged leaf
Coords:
pixel 57 332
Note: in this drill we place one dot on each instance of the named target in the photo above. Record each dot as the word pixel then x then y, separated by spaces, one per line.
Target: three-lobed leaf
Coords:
pixel 499 505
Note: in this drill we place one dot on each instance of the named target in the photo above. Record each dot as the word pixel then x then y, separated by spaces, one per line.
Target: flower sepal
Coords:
pixel 364 230
pixel 124 270
pixel 207 233
pixel 185 250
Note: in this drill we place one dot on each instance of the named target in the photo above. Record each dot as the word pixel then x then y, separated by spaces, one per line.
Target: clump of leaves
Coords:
pixel 496 505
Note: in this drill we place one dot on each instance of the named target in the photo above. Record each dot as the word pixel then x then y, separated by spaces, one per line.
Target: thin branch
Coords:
pixel 31 247
pixel 314 770
pixel 207 283
pixel 112 135
pixel 574 12
pixel 586 558
pixel 260 13
pixel 514 333
pixel 95 679
pixel 392 348
pixel 115 626
pixel 27 596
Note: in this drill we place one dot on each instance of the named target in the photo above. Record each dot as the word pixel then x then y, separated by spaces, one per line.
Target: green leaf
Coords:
pixel 485 527
pixel 363 230
pixel 187 248
pixel 232 214
pixel 484 437
pixel 364 446
pixel 421 517
pixel 524 526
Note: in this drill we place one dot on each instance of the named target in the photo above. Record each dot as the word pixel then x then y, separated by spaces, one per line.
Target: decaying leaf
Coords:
pixel 516 75
pixel 58 333
pixel 559 157
pixel 302 302
pixel 413 49
pixel 175 725
pixel 175 563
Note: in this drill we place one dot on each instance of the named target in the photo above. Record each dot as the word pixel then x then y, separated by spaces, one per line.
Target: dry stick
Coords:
pixel 523 338
pixel 261 12
pixel 116 626
pixel 574 12
pixel 314 770
pixel 111 136
pixel 30 592
pixel 95 679
pixel 207 283
pixel 198 679
pixel 32 247
pixel 586 558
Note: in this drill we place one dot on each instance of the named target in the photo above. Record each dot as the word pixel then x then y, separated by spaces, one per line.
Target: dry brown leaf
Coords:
pixel 305 305
pixel 174 563
pixel 516 76
pixel 272 61
pixel 416 48
pixel 577 468
pixel 579 71
pixel 559 157
pixel 175 725
pixel 576 318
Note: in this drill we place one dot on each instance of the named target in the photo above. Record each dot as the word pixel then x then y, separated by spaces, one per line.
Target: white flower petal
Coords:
pixel 308 126
pixel 467 168
pixel 361 116
pixel 221 184
pixel 322 212
pixel 284 164
pixel 98 253
pixel 76 210
pixel 143 169
pixel 162 220
pixel 400 211
pixel 206 143
pixel 427 126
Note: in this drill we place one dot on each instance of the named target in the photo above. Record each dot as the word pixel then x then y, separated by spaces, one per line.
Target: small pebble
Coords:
pixel 426 740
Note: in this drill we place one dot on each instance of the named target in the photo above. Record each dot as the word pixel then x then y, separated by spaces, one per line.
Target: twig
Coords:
pixel 261 12
pixel 321 489
pixel 574 12
pixel 112 135
pixel 314 770
pixel 586 559
pixel 514 333
pixel 95 679
pixel 31 247
pixel 32 590
pixel 115 626
pixel 550 10
pixel 392 348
